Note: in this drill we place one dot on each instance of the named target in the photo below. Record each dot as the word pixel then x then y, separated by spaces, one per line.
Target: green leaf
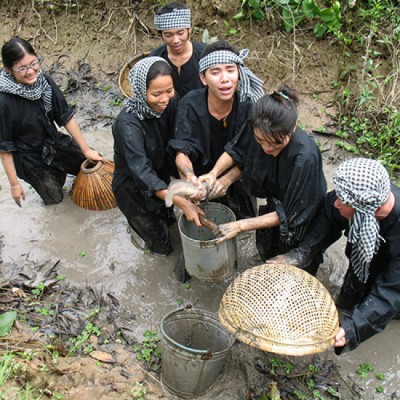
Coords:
pixel 327 15
pixel 239 15
pixel 380 389
pixel 6 322
pixel 310 8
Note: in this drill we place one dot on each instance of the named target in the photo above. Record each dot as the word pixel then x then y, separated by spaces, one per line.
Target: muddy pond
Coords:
pixel 94 249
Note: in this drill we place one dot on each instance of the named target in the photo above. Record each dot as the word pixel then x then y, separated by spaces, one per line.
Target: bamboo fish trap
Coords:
pixel 281 309
pixel 123 82
pixel 92 187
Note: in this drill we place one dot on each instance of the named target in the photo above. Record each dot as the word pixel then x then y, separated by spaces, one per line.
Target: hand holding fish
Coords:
pixel 186 189
pixel 228 231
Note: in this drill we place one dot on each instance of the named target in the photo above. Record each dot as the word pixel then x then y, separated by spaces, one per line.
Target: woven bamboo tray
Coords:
pixel 281 309
pixel 92 186
pixel 123 82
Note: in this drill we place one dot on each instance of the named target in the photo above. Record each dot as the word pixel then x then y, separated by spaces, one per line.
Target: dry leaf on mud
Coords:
pixel 102 356
pixel 19 292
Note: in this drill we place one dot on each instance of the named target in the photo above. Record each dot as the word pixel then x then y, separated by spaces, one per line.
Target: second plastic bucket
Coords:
pixel 194 348
pixel 204 259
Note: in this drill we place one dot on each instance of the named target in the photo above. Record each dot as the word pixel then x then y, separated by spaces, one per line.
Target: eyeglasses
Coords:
pixel 24 70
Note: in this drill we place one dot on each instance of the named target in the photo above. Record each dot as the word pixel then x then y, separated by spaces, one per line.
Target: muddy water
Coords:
pixel 95 249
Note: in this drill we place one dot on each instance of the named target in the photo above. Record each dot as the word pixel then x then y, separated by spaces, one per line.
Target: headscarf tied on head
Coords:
pixel 364 185
pixel 250 84
pixel 137 104
pixel 40 89
pixel 176 19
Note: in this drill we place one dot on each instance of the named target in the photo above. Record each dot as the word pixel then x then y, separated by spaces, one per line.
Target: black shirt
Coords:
pixel 200 136
pixel 188 78
pixel 25 124
pixel 140 150
pixel 294 178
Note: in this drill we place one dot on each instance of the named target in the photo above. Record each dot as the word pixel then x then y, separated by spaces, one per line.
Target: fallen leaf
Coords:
pixel 103 357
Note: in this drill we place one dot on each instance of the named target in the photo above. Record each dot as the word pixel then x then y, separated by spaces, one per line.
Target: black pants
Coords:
pixel 48 178
pixel 147 217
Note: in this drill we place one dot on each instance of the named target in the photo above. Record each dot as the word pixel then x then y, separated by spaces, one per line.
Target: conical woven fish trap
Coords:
pixel 124 85
pixel 92 187
pixel 281 309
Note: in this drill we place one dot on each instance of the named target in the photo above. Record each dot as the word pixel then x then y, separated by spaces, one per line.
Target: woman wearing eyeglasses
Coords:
pixel 31 147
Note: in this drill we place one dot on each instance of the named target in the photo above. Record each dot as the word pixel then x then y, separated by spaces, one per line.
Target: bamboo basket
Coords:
pixel 92 187
pixel 123 82
pixel 281 309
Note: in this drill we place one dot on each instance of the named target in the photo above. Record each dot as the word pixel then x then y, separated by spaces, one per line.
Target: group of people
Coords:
pixel 198 113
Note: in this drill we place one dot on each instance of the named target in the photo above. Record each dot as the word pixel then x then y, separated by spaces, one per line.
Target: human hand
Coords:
pixel 200 186
pixel 17 192
pixel 94 156
pixel 340 338
pixel 228 231
pixel 218 190
pixel 209 179
pixel 192 212
pixel 295 257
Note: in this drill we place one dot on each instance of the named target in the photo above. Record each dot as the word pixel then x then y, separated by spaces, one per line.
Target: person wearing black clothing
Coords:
pixel 210 118
pixel 142 166
pixel 364 206
pixel 283 166
pixel 31 147
pixel 173 23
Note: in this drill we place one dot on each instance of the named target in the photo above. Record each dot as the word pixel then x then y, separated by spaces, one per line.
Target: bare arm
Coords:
pixel 223 183
pixel 17 192
pixel 73 129
pixel 224 162
pixel 232 229
pixel 185 167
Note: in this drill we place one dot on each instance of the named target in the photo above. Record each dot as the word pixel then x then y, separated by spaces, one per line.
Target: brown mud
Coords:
pixel 84 48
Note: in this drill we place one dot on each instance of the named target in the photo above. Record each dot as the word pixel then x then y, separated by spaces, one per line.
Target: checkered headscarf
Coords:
pixel 364 185
pixel 250 84
pixel 137 78
pixel 177 19
pixel 40 89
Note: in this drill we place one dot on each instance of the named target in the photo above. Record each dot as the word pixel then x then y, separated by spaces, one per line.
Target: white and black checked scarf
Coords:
pixel 364 185
pixel 137 78
pixel 250 84
pixel 177 19
pixel 40 89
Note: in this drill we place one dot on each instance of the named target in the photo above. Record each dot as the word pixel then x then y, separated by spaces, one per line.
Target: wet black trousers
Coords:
pixel 48 179
pixel 150 224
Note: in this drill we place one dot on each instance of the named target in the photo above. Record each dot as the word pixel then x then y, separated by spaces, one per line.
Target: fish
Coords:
pixel 179 187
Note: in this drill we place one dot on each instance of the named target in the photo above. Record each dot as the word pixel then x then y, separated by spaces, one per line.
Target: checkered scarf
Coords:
pixel 250 85
pixel 137 104
pixel 364 185
pixel 40 89
pixel 177 19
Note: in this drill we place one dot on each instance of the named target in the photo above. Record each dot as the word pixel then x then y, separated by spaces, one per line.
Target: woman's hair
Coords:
pixel 159 68
pixel 275 114
pixel 175 5
pixel 219 45
pixel 14 50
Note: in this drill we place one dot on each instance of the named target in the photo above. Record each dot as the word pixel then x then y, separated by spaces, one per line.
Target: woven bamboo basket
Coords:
pixel 123 82
pixel 281 309
pixel 92 187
